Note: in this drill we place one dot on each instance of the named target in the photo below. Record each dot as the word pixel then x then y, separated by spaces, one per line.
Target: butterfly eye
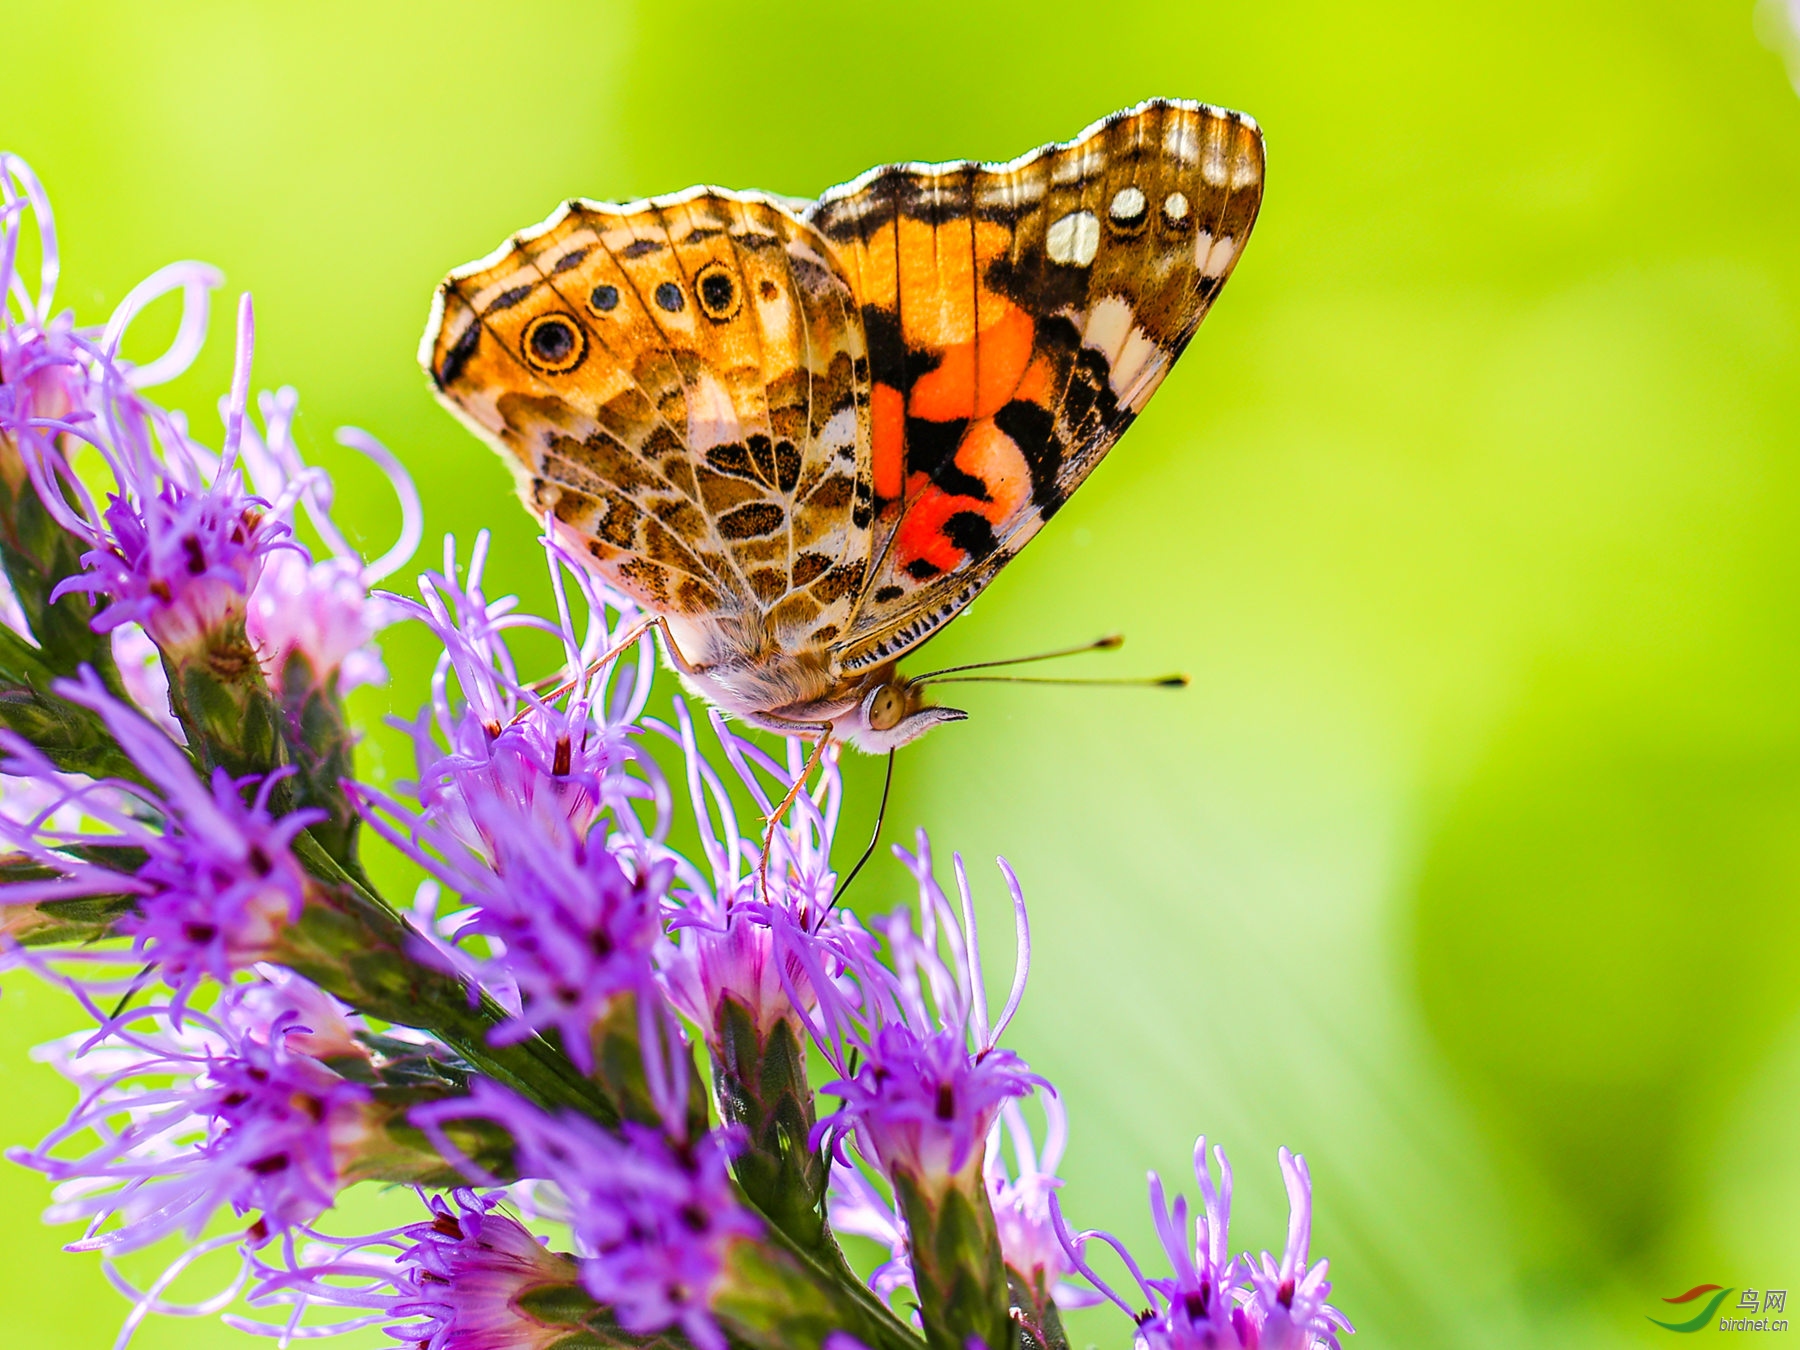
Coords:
pixel 1129 212
pixel 717 291
pixel 886 708
pixel 668 295
pixel 554 343
pixel 603 298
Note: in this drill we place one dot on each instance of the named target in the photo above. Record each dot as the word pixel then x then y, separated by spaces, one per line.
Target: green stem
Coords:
pixel 957 1267
pixel 778 1298
pixel 759 1079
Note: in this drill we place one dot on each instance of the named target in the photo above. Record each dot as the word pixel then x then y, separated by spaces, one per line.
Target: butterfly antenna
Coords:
pixel 887 785
pixel 1125 682
pixel 1111 642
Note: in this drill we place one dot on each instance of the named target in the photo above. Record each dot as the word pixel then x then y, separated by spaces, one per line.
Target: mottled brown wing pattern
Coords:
pixel 683 384
pixel 1018 317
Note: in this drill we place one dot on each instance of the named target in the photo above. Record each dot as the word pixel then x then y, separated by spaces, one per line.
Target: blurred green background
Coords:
pixel 1469 865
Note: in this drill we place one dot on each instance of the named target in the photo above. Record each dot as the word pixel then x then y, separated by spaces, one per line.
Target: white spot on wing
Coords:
pixel 1108 323
pixel 1080 163
pixel 1181 140
pixel 1213 256
pixel 1213 167
pixel 1127 205
pixel 1073 240
pixel 1138 370
pixel 1176 206
pixel 712 419
pixel 840 430
pixel 1243 170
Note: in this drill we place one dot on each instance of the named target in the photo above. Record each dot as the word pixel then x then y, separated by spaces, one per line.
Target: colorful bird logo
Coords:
pixel 1705 1315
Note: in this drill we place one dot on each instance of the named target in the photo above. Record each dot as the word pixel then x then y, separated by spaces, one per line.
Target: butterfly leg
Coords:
pixel 772 821
pixel 633 635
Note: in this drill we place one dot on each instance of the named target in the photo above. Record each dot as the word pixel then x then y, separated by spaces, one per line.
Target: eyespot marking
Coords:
pixel 669 297
pixel 603 298
pixel 553 343
pixel 717 291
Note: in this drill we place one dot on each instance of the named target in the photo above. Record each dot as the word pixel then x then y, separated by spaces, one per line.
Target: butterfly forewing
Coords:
pixel 1018 317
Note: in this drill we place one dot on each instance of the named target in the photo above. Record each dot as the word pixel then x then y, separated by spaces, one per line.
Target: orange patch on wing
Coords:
pixel 1005 350
pixel 937 268
pixel 877 282
pixel 887 416
pixel 989 454
pixel 922 531
pixel 975 379
pixel 1034 386
pixel 947 393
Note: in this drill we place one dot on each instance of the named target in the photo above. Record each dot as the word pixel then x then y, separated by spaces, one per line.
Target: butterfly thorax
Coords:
pixel 800 691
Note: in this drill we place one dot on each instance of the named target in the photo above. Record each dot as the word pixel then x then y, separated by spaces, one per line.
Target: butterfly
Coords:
pixel 804 435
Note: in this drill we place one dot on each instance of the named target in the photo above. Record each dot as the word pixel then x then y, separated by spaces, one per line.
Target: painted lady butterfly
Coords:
pixel 805 435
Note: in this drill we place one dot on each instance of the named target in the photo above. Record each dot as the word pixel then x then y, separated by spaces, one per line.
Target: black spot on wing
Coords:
pixel 639 248
pixel 733 458
pixel 787 466
pixel 931 449
pixel 572 258
pixel 890 363
pixel 507 299
pixel 809 567
pixel 456 360
pixel 887 593
pixel 971 532
pixel 751 520
pixel 1033 430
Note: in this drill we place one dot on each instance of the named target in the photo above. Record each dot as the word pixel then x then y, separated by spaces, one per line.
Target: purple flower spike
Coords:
pixel 218 884
pixel 1288 1304
pixel 505 740
pixel 177 549
pixel 43 360
pixel 923 1077
pixel 1205 1304
pixel 652 1220
pixel 195 1113
pixel 451 1282
pixel 185 538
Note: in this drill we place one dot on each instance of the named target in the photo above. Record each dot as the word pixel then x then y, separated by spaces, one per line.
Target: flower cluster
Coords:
pixel 1214 1299
pixel 182 827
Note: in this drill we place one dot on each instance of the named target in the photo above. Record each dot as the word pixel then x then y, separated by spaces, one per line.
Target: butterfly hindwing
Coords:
pixel 684 386
pixel 1018 317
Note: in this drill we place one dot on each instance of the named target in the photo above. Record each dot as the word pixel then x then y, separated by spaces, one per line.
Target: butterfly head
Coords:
pixel 891 714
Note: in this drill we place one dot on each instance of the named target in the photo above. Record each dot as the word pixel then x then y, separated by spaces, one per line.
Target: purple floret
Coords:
pixel 652 1219
pixel 218 882
pixel 922 1075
